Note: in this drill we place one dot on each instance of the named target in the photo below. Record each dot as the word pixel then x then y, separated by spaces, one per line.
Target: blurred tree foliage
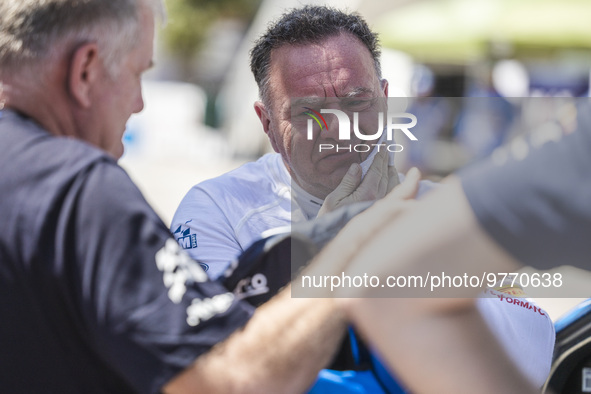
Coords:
pixel 189 21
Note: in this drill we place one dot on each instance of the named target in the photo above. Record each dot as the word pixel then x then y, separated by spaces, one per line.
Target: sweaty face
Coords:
pixel 337 73
pixel 120 93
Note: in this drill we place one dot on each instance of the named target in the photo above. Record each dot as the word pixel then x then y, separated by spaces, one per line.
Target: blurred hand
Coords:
pixel 379 181
pixel 336 256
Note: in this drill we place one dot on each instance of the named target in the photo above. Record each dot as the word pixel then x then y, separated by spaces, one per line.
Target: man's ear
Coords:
pixel 85 70
pixel 384 85
pixel 263 115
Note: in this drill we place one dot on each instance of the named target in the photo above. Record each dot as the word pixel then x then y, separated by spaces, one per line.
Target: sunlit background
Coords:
pixel 199 120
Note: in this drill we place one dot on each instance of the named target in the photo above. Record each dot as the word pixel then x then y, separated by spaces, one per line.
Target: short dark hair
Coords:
pixel 308 24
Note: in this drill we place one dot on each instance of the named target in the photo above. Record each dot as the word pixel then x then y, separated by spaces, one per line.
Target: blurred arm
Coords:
pixel 281 350
pixel 444 339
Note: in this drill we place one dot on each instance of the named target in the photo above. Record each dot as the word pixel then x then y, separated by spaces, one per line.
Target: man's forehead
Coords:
pixel 340 71
pixel 344 45
pixel 317 101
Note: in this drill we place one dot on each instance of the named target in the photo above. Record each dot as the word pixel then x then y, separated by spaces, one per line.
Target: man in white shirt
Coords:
pixel 220 218
pixel 332 59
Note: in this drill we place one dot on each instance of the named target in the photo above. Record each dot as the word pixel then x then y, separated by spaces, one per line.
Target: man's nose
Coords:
pixel 335 120
pixel 139 105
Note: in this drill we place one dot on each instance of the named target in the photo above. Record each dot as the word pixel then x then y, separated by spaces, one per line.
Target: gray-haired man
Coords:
pixel 95 295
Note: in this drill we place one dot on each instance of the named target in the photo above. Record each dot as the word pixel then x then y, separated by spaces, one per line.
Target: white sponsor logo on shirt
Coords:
pixel 178 270
pixel 205 309
pixel 251 286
